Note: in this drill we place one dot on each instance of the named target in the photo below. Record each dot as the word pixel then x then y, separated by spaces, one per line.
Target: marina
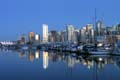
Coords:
pixel 71 48
pixel 63 65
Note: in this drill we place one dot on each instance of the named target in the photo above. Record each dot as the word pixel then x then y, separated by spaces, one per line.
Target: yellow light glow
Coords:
pixel 37 55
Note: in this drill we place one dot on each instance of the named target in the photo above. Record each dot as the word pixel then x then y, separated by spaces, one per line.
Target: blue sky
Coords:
pixel 22 16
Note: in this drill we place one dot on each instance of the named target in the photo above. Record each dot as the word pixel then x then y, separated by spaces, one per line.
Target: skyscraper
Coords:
pixel 59 36
pixel 22 39
pixel 45 33
pixel 63 36
pixel 92 35
pixel 89 33
pixel 76 36
pixel 37 38
pixel 99 28
pixel 100 31
pixel 70 33
pixel 31 37
pixel 118 28
pixel 83 35
pixel 53 36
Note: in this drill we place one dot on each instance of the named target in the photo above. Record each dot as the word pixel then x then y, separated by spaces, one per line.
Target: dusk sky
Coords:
pixel 22 16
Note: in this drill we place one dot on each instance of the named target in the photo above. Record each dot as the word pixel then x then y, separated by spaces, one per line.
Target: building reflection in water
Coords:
pixel 22 54
pixel 71 60
pixel 31 55
pixel 37 54
pixel 45 60
pixel 95 63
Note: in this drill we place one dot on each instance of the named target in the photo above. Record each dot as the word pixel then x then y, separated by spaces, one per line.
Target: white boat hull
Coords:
pixel 25 48
pixel 100 52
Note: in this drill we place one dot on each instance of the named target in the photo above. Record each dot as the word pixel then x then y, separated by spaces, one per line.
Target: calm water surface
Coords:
pixel 41 65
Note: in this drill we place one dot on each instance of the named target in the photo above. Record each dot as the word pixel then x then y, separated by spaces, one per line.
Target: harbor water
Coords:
pixel 42 65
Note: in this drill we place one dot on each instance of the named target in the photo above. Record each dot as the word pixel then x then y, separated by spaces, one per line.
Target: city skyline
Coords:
pixel 70 34
pixel 59 39
pixel 25 16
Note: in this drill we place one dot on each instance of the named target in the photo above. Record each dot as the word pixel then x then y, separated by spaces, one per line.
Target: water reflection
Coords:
pixel 51 60
pixel 32 54
pixel 71 60
pixel 45 60
pixel 37 54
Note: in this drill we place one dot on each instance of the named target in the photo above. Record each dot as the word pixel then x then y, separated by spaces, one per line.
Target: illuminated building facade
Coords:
pixel 89 33
pixel 45 33
pixel 70 33
pixel 31 37
pixel 22 39
pixel 99 28
pixel 37 38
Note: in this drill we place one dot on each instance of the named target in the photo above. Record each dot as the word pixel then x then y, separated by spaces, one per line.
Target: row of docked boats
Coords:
pixel 92 49
pixel 88 48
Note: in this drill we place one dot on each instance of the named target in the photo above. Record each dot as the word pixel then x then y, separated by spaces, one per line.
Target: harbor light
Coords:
pixel 100 59
pixel 37 55
pixel 100 45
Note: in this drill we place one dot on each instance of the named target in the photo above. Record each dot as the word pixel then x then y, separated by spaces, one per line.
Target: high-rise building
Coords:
pixel 83 35
pixel 53 36
pixel 58 36
pixel 63 36
pixel 118 28
pixel 89 33
pixel 70 33
pixel 37 38
pixel 22 39
pixel 92 32
pixel 45 60
pixel 45 33
pixel 76 36
pixel 99 28
pixel 89 27
pixel 31 37
pixel 108 29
